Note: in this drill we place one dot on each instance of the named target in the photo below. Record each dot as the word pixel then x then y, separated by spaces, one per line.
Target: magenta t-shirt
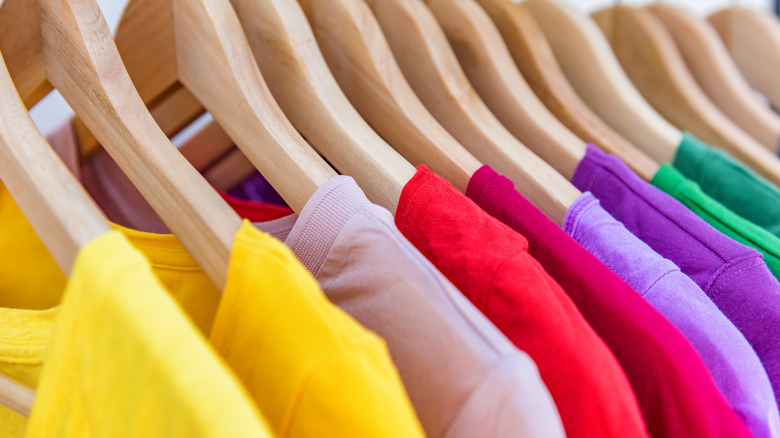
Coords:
pixel 676 392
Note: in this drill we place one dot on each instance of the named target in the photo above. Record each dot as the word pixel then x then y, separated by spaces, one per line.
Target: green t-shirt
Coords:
pixel 716 214
pixel 730 182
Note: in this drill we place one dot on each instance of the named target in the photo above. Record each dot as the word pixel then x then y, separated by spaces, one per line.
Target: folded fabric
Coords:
pixel 733 275
pixel 676 392
pixel 490 264
pixel 125 362
pixel 728 355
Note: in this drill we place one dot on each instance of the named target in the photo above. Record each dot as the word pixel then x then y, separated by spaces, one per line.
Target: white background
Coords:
pixel 52 111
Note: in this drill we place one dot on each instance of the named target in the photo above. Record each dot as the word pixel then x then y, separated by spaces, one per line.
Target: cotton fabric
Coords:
pixel 242 331
pixel 463 376
pixel 312 369
pixel 729 357
pixel 733 275
pixel 676 392
pixel 125 362
pixel 490 264
pixel 721 218
pixel 730 182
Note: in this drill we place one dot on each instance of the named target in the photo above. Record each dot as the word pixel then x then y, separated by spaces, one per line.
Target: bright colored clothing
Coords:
pixel 734 365
pixel 490 264
pixel 312 369
pixel 730 182
pixel 716 214
pixel 464 378
pixel 732 275
pixel 675 390
pixel 125 362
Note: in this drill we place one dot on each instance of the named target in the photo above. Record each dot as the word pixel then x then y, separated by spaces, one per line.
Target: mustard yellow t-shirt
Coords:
pixel 124 361
pixel 312 369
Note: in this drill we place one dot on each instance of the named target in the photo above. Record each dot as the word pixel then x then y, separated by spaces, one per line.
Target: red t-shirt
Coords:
pixel 678 396
pixel 490 264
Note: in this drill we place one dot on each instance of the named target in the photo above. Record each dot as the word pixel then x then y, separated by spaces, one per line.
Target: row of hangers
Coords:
pixel 375 87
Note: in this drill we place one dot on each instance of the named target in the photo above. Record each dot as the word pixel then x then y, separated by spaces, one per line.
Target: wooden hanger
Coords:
pixel 53 201
pixel 648 54
pixel 198 44
pixel 15 396
pixel 711 65
pixel 428 63
pixel 532 54
pixel 753 40
pixel 291 62
pixel 66 44
pixel 590 66
pixel 324 117
pixel 179 109
pixel 484 58
pixel 362 63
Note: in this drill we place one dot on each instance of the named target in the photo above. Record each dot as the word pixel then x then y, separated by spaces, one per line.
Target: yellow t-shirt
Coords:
pixel 124 361
pixel 367 381
pixel 312 369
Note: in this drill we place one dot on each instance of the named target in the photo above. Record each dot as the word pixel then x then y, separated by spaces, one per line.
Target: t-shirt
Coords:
pixel 733 275
pixel 187 283
pixel 730 182
pixel 324 348
pixel 258 189
pixel 490 264
pixel 464 378
pixel 716 214
pixel 728 355
pixel 312 369
pixel 677 395
pixel 124 361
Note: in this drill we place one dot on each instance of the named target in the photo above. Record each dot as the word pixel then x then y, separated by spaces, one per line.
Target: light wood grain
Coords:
pixel 67 44
pixel 175 112
pixel 712 67
pixel 590 66
pixel 298 76
pixel 362 63
pixel 432 69
pixel 15 396
pixel 753 40
pixel 530 51
pixel 648 54
pixel 484 58
pixel 199 44
pixel 56 205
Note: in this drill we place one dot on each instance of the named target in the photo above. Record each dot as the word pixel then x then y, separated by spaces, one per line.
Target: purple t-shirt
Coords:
pixel 256 188
pixel 728 355
pixel 676 391
pixel 733 275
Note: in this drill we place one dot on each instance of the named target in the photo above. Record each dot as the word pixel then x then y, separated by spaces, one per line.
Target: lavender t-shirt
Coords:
pixel 464 377
pixel 732 275
pixel 734 365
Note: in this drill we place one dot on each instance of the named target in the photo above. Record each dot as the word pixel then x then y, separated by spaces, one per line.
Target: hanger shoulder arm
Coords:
pixel 714 71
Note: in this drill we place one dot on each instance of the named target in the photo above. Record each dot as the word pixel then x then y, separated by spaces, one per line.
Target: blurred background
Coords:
pixel 52 111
